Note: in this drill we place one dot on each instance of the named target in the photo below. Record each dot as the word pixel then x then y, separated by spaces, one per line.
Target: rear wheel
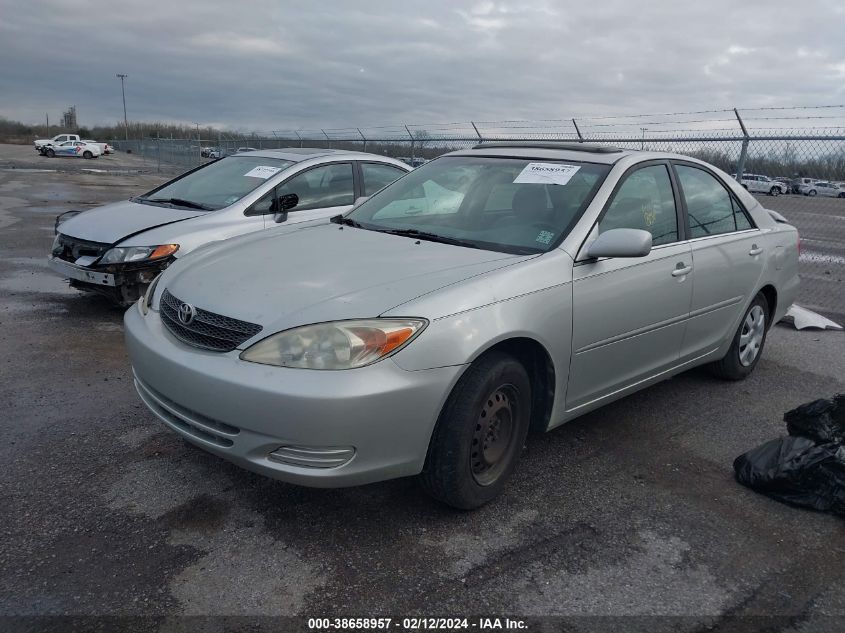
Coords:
pixel 49 153
pixel 748 343
pixel 812 192
pixel 87 154
pixel 774 191
pixel 480 433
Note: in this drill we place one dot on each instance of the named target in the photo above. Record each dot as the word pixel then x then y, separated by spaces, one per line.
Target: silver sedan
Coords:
pixel 490 291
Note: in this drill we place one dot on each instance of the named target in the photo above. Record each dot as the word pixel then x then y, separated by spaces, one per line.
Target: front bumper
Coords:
pixel 244 411
pixel 122 283
pixel 80 273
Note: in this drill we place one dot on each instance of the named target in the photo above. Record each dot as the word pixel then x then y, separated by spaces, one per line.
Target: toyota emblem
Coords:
pixel 187 312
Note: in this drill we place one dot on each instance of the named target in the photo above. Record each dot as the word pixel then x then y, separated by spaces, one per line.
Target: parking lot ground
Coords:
pixel 631 510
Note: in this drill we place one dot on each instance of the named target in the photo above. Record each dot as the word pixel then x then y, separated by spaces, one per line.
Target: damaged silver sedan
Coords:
pixel 118 249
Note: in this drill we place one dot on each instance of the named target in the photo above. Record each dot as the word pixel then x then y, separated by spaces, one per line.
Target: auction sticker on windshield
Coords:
pixel 546 174
pixel 263 172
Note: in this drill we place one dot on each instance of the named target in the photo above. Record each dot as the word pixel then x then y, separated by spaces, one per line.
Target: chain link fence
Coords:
pixel 793 145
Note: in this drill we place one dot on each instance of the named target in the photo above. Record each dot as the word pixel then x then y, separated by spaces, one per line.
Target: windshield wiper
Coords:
pixel 339 219
pixel 429 237
pixel 181 202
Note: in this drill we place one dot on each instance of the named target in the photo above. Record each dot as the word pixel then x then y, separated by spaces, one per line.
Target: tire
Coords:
pixel 741 359
pixel 87 154
pixel 841 195
pixel 774 191
pixel 49 153
pixel 480 433
pixel 812 192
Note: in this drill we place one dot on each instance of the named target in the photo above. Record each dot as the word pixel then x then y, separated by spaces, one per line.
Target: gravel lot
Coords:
pixel 630 510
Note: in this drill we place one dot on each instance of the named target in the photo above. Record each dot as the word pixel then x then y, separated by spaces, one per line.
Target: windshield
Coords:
pixel 505 204
pixel 217 184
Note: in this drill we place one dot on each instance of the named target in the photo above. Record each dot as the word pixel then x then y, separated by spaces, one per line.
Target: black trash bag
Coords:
pixel 820 420
pixel 798 471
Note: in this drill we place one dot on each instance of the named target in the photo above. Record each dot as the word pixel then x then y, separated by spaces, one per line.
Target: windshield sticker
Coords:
pixel 545 237
pixel 263 172
pixel 546 173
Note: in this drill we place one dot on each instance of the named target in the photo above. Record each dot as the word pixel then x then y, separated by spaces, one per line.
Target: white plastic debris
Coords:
pixel 803 318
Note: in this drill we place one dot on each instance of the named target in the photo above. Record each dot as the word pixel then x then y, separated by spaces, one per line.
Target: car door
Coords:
pixel 629 314
pixel 727 255
pixel 323 191
pixel 66 149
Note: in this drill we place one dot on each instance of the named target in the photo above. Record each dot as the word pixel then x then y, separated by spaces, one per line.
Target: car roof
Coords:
pixel 585 152
pixel 299 154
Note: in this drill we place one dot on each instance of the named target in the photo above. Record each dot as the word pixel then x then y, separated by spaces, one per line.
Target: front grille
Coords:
pixel 72 248
pixel 208 330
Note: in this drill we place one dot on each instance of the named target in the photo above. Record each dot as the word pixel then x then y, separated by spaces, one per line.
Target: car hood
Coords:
pixel 321 273
pixel 113 222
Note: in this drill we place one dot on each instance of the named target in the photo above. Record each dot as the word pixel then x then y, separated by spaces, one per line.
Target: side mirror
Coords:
pixel 620 243
pixel 282 205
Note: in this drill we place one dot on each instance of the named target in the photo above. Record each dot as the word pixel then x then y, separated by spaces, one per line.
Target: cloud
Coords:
pixel 269 65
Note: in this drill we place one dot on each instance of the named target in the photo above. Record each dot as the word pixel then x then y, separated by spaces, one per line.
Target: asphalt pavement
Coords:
pixel 630 512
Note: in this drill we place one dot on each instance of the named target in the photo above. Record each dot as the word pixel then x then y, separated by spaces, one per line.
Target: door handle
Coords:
pixel 681 270
pixel 755 250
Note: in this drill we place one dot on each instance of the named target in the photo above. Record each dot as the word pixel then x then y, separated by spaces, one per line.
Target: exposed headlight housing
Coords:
pixel 146 299
pixel 335 345
pixel 127 254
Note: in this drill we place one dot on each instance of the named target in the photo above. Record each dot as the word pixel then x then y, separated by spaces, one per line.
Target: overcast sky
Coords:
pixel 285 65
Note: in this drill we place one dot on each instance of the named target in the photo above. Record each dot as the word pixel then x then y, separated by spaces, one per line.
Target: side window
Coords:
pixel 742 221
pixel 264 205
pixel 378 175
pixel 711 209
pixel 644 201
pixel 325 186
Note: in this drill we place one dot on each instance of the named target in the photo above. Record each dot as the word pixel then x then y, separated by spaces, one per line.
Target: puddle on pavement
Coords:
pixel 26 170
pixel 35 282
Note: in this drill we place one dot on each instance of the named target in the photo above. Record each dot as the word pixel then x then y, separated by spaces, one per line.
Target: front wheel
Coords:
pixel 49 153
pixel 774 191
pixel 812 192
pixel 841 195
pixel 480 433
pixel 748 343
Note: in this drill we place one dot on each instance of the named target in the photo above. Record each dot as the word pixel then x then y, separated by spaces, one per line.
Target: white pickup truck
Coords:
pixel 59 138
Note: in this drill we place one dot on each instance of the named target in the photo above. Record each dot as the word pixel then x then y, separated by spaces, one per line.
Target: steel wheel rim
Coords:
pixel 751 336
pixel 494 435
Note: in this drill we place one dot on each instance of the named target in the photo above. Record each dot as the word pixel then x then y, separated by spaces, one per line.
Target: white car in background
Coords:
pixel 824 188
pixel 72 149
pixel 756 183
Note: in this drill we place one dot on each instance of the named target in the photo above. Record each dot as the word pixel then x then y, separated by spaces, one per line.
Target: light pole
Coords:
pixel 123 92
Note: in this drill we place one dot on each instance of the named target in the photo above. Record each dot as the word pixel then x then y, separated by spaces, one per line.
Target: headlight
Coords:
pixel 125 254
pixel 146 300
pixel 337 345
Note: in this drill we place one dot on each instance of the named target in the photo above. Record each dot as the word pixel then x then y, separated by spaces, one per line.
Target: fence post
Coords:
pixel 328 140
pixel 743 154
pixel 412 144
pixel 577 131
pixel 299 137
pixel 158 154
pixel 363 137
pixel 474 127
